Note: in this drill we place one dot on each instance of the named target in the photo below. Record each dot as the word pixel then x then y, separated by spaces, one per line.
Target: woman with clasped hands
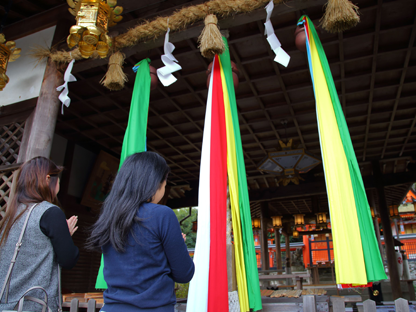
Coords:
pixel 47 240
pixel 144 249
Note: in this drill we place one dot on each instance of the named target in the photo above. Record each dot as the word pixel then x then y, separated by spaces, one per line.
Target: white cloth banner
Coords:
pixel 68 77
pixel 171 63
pixel 198 288
pixel 281 56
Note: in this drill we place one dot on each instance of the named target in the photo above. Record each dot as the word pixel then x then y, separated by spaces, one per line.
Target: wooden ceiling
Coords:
pixel 373 65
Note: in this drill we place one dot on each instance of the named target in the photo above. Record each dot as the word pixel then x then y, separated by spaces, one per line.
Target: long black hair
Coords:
pixel 137 181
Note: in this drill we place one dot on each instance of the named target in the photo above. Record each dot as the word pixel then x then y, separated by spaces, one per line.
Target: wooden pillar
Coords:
pixel 231 274
pixel 288 268
pixel 278 249
pixel 288 260
pixel 375 221
pixel 264 216
pixel 40 125
pixel 388 236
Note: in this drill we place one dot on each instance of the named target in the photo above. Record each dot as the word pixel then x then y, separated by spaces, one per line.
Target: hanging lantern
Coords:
pixel 295 234
pixel 299 220
pixel 288 163
pixel 277 221
pixel 93 19
pixel 394 211
pixel 8 53
pixel 255 223
pixel 194 226
pixel 321 218
pixel 373 215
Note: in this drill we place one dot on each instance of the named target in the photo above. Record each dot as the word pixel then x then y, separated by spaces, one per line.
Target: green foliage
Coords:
pixel 182 291
pixel 187 224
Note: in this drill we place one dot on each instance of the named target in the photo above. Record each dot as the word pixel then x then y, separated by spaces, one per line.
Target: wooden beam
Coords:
pixel 373 73
pixel 37 22
pixel 402 79
pixel 308 188
pixel 387 233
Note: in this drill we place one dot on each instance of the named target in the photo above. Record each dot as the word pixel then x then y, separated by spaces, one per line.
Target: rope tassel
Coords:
pixel 115 77
pixel 210 40
pixel 340 15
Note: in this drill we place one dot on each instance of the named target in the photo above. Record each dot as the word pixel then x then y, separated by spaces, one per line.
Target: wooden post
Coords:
pixel 91 305
pixel 40 125
pixel 309 304
pixel 369 306
pixel 375 221
pixel 388 236
pixel 278 250
pixel 402 305
pixel 338 304
pixel 287 246
pixel 74 305
pixel 231 275
pixel 264 214
pixel 288 265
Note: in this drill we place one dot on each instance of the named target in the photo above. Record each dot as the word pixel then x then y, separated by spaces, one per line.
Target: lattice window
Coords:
pixel 10 143
pixel 5 187
pixel 10 139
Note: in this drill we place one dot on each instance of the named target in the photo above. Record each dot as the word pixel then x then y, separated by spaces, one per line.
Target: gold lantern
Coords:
pixel 8 53
pixel 255 222
pixel 373 215
pixel 394 211
pixel 299 220
pixel 295 234
pixel 321 218
pixel 93 19
pixel 277 221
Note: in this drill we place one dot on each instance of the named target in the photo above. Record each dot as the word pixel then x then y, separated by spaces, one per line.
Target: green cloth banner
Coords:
pixel 252 275
pixel 135 136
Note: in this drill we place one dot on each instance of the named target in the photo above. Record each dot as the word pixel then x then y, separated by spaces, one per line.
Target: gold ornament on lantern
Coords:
pixel 93 19
pixel 8 53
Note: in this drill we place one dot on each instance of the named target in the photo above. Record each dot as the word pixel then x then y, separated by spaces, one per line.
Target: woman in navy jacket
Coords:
pixel 144 250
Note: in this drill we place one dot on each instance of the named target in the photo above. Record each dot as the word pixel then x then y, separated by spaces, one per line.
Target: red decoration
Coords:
pixel 300 37
pixel 153 78
pixel 235 70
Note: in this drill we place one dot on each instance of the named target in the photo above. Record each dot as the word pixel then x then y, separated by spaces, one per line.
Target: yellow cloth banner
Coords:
pixel 235 210
pixel 348 252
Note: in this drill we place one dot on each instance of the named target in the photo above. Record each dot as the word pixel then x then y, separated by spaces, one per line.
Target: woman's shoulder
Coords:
pixel 160 211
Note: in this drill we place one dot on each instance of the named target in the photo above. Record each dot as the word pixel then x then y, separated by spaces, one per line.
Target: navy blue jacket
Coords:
pixel 143 277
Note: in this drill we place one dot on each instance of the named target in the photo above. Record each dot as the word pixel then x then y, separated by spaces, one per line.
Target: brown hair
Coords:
pixel 31 187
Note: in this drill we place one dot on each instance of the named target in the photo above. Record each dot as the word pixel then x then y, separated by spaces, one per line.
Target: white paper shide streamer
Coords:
pixel 171 63
pixel 68 77
pixel 281 56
